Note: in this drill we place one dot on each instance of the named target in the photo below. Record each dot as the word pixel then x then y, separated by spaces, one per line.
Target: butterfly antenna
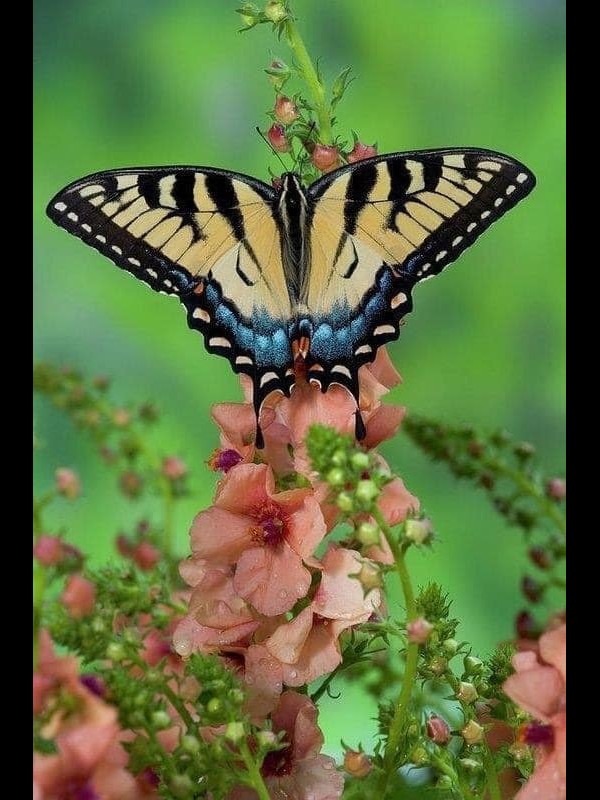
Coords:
pixel 270 146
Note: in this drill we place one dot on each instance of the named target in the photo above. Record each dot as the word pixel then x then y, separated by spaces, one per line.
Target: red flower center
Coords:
pixel 277 763
pixel 271 527
pixel 536 733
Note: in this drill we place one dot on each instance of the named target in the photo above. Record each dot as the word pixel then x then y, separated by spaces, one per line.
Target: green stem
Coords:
pixel 412 653
pixel 256 779
pixel 309 73
pixel 491 775
pixel 316 696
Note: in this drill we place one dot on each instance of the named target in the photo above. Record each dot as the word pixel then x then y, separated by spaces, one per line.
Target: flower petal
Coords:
pixel 272 580
pixel 553 649
pixel 306 528
pixel 546 783
pixel 220 535
pixel 396 502
pixel 245 488
pixel 538 691
pixel 339 595
pixel 288 640
pixel 314 779
pixel 263 679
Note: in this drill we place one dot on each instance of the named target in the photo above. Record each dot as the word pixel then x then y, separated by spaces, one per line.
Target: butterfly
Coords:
pixel 269 275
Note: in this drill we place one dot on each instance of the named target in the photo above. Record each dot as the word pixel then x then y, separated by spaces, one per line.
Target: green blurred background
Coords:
pixel 147 82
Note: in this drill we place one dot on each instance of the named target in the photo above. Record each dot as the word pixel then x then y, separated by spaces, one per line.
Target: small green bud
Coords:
pixel 214 706
pixel 466 693
pixel 339 458
pixel 275 11
pixel 266 738
pixel 367 533
pixel 473 665
pixel 483 688
pixel 438 665
pixel 472 733
pixel 235 732
pixel 419 756
pixel 418 531
pixel 450 646
pixel 366 492
pixel 444 782
pixel 236 696
pixel 98 625
pixel 190 745
pixel 360 460
pixel 161 720
pixel 140 700
pixel 181 786
pixel 115 652
pixel 345 502
pixel 336 476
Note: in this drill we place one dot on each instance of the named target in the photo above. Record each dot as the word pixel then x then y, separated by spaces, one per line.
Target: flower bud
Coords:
pixel 419 756
pixel 214 706
pixel 366 491
pixel 472 733
pixel 48 550
pixel 526 627
pixel 418 531
pixel 286 111
pixel 121 417
pixel 470 764
pixel 325 158
pixel 235 732
pixel 130 484
pixel 472 665
pixel 556 489
pixel 360 460
pixel 67 483
pixel 418 630
pixel 438 730
pixel 336 477
pixel 438 665
pixel 277 138
pixel 275 11
pixel 368 534
pixel 115 652
pixel 79 596
pixel 524 450
pixel 145 555
pixel 279 73
pixel 181 787
pixel 357 764
pixel 369 577
pixel 532 589
pixel 174 468
pixel 466 693
pixel 444 782
pixel 266 738
pixel 345 502
pixel 450 646
pixel 361 151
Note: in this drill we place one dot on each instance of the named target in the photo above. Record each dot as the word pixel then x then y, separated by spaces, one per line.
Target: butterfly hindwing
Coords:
pixel 205 235
pixel 384 224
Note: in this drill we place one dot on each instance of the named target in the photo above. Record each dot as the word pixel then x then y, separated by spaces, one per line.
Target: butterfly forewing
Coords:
pixel 205 235
pixel 384 224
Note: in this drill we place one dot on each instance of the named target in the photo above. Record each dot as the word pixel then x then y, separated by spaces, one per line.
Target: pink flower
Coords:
pixel 145 555
pixel 298 771
pixel 48 550
pixel 89 758
pixel 217 615
pixel 361 151
pixel 307 647
pixel 173 468
pixel 267 534
pixel 539 687
pixel 79 596
pixel 67 483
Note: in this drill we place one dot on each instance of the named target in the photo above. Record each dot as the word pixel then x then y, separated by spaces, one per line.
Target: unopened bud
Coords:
pixel 366 491
pixel 357 764
pixel 556 489
pixel 472 665
pixel 277 138
pixel 336 476
pixel 130 484
pixel 369 577
pixel 418 531
pixel 121 417
pixel 472 733
pixel 174 468
pixel 438 730
pixel 368 534
pixel 532 589
pixel 419 630
pixel 466 693
pixel 67 483
pixel 278 73
pixel 275 11
pixel 360 460
pixel 79 596
pixel 235 732
pixel 361 151
pixel 286 111
pixel 325 158
pixel 345 502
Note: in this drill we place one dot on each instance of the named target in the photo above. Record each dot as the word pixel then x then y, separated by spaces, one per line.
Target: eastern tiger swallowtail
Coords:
pixel 268 275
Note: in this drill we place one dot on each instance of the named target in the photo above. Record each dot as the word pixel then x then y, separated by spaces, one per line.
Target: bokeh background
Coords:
pixel 147 82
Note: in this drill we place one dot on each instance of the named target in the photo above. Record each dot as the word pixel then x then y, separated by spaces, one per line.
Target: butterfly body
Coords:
pixel 269 275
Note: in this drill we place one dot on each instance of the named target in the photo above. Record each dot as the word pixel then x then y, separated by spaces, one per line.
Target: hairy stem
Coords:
pixel 491 775
pixel 255 778
pixel 309 73
pixel 412 654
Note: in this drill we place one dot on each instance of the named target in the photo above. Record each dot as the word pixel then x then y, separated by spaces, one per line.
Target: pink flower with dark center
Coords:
pixel 266 534
pixel 307 647
pixel 298 771
pixel 539 687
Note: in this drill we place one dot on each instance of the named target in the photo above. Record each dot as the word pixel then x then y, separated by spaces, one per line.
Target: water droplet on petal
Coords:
pixel 283 594
pixel 293 674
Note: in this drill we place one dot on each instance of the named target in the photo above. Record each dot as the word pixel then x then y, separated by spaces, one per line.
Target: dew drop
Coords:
pixel 293 674
pixel 283 594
